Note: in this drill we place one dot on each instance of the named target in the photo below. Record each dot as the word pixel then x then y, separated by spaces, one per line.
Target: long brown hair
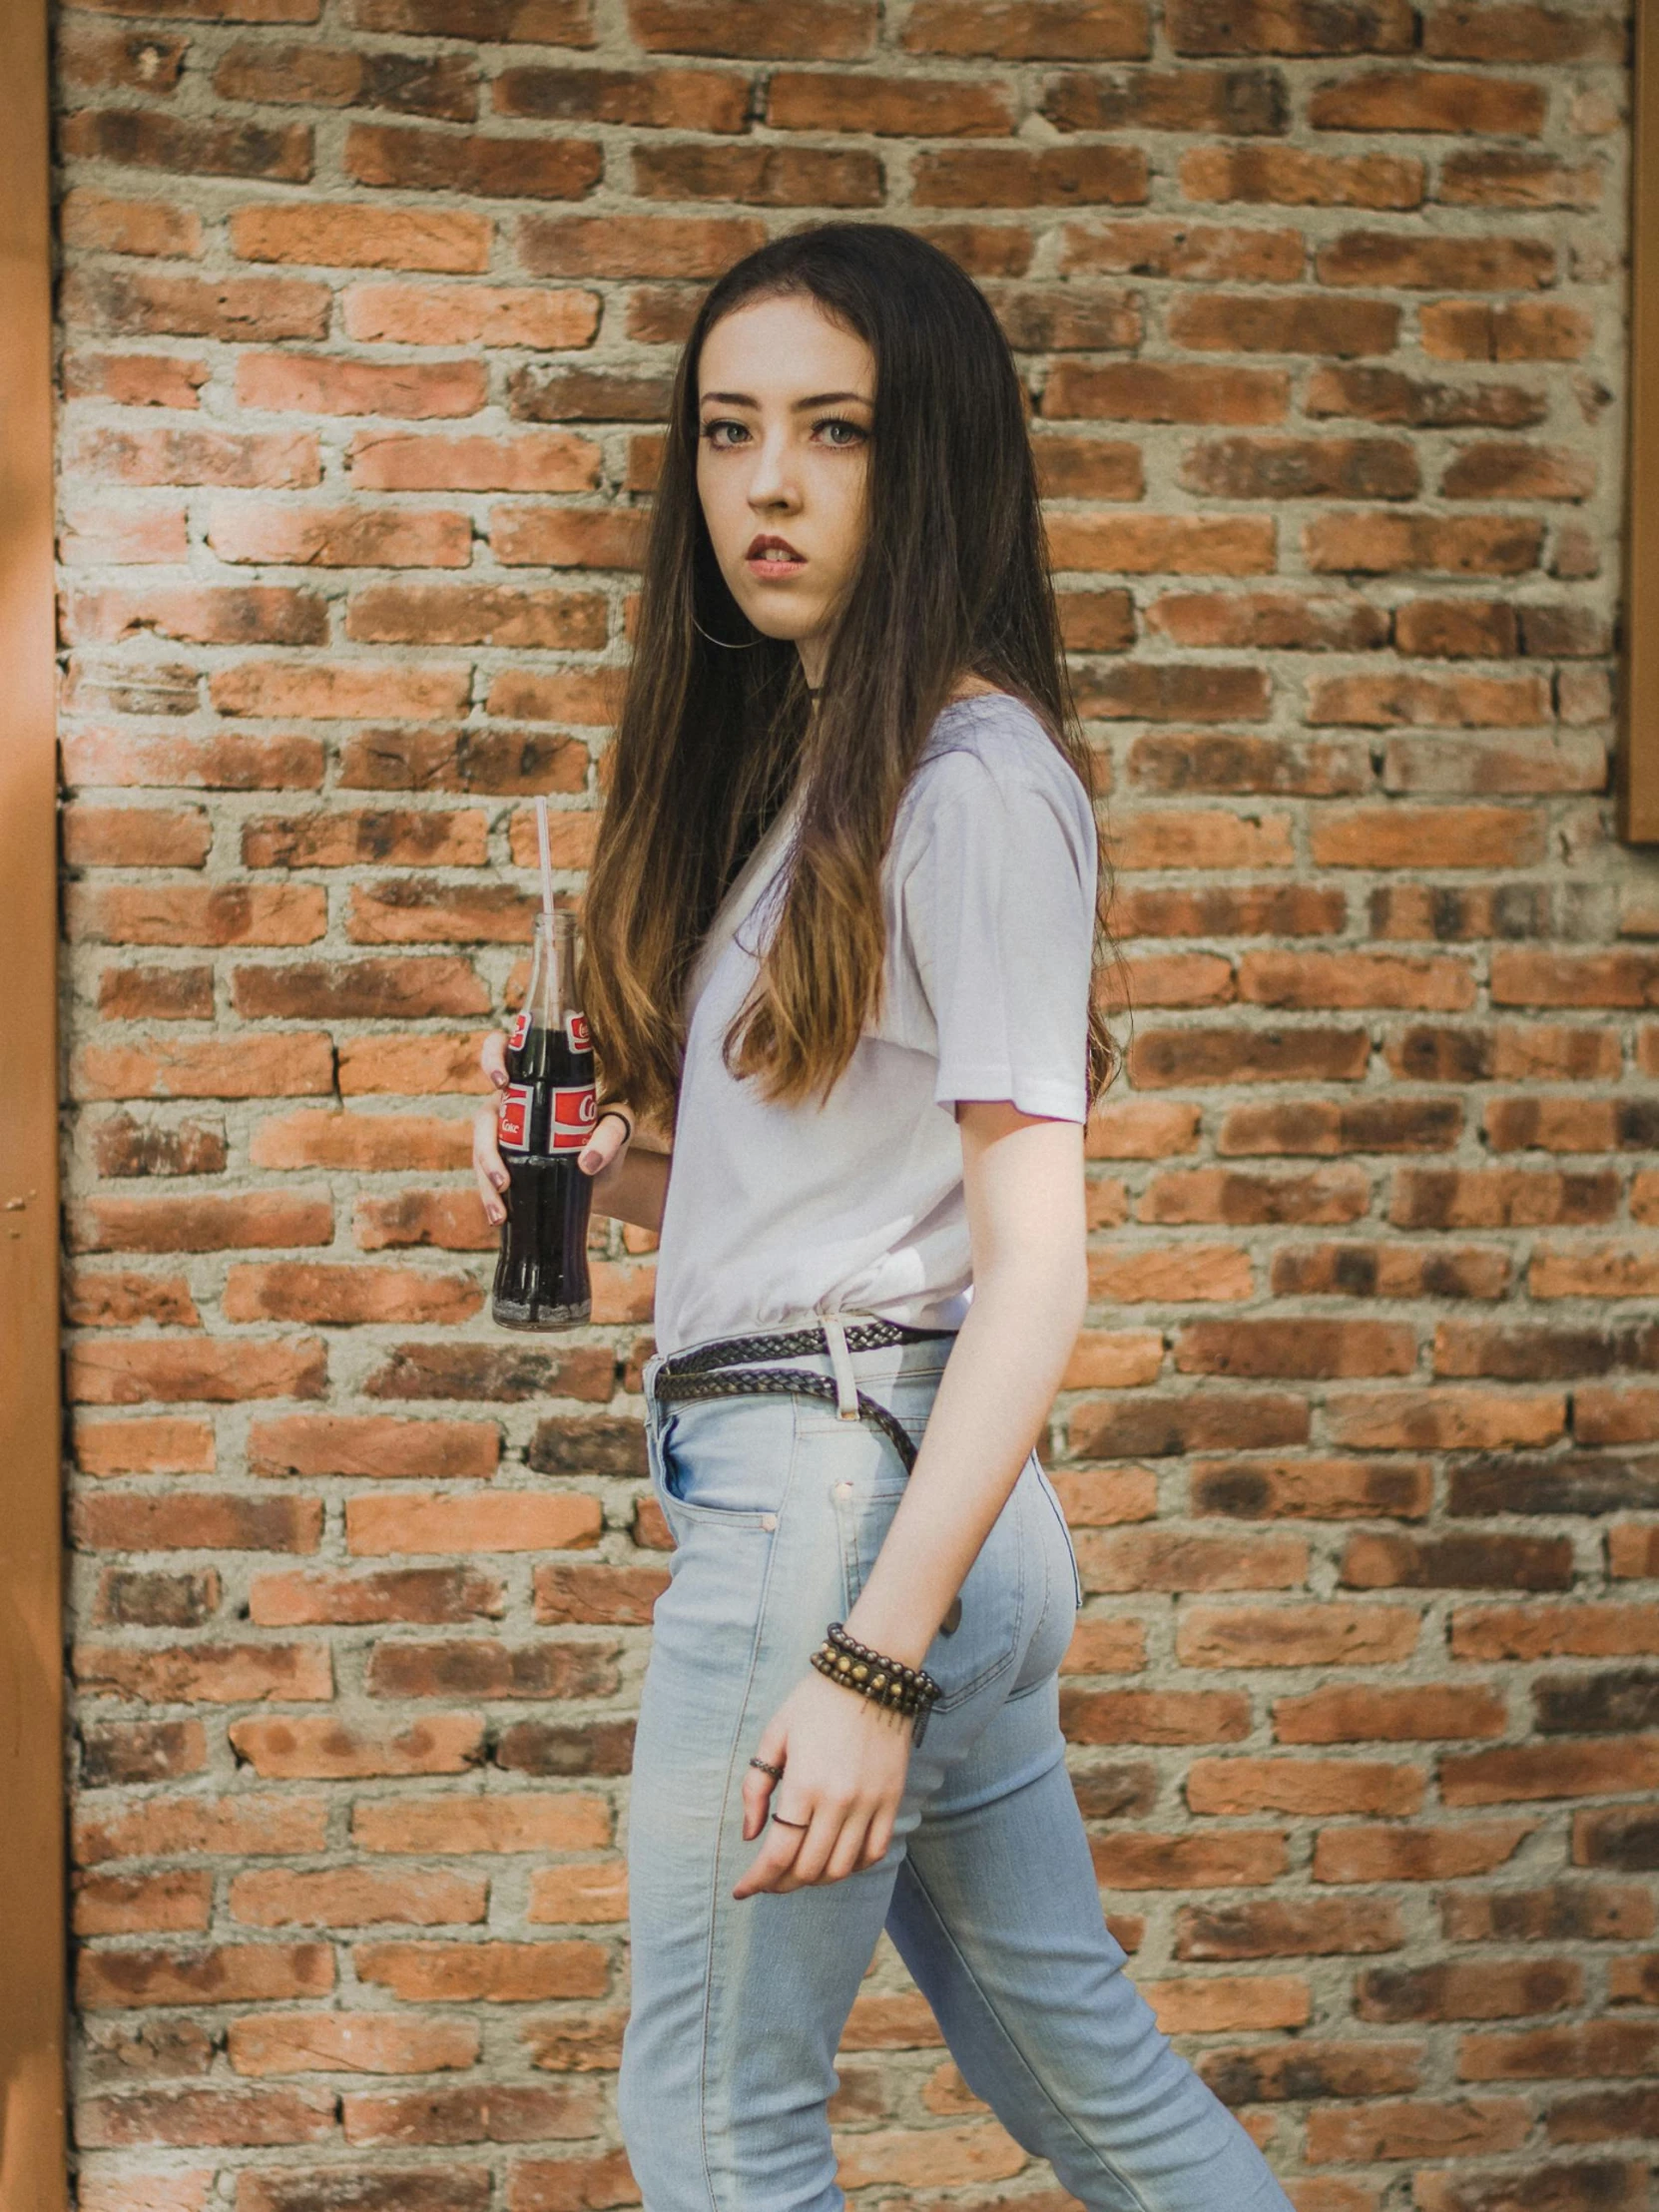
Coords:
pixel 953 579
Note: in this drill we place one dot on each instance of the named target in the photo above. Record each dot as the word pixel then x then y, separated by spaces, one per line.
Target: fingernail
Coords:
pixel 498 1176
pixel 496 1217
pixel 498 1077
pixel 588 1160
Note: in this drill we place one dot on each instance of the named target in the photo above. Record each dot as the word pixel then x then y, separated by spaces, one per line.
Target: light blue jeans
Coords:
pixel 988 1890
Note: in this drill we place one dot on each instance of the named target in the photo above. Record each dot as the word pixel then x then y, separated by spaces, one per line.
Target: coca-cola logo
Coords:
pixel 575 1110
pixel 513 1130
pixel 519 1031
pixel 579 1039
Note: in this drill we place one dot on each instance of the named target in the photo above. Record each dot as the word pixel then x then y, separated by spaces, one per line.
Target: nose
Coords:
pixel 772 484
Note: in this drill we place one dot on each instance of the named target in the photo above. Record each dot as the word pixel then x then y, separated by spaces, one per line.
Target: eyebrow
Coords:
pixel 817 400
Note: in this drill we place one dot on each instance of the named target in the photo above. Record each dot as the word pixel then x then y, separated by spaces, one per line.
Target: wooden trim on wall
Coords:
pixel 1639 752
pixel 32 1933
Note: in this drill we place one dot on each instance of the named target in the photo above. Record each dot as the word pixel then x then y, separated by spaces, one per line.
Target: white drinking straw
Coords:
pixel 546 860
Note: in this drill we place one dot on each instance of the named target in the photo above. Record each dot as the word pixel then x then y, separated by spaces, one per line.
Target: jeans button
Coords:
pixel 768 1520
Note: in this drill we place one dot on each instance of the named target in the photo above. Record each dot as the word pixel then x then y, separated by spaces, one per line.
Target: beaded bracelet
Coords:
pixel 902 1689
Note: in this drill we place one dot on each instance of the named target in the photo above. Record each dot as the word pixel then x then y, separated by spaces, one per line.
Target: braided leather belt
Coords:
pixel 697 1373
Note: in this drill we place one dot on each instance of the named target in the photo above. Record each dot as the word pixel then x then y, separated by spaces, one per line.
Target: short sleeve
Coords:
pixel 998 915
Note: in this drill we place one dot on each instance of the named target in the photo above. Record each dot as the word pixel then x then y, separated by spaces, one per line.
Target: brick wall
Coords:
pixel 369 308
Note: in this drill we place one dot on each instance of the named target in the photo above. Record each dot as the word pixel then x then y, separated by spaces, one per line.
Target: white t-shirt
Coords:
pixel 776 1213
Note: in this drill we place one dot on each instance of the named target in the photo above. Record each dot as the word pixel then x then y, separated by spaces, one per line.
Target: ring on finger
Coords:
pixel 779 1822
pixel 766 1766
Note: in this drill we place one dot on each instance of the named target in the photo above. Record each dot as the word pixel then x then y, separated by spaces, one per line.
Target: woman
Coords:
pixel 841 927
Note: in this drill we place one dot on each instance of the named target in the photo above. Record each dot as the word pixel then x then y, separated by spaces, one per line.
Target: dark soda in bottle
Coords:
pixel 546 1117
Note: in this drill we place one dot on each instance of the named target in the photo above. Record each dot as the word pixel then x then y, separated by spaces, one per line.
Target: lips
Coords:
pixel 769 549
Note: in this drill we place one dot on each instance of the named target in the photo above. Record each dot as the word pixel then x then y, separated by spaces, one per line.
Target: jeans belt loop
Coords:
pixel 841 1358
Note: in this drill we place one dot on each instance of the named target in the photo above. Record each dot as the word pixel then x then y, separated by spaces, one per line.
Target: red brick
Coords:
pixel 1300 1635
pixel 1153 1717
pixel 315 1445
pixel 249 1825
pixel 178 1902
pixel 1304 322
pixel 680 246
pixel 350 2042
pixel 1458 1989
pixel 231 1974
pixel 1580 2051
pixel 522 1822
pixel 1213 762
pixel 1162 545
pixel 1303 1787
pixel 1311 1490
pixel 295 1065
pixel 1327 1126
pixel 895 106
pixel 1573 1631
pixel 1159 1427
pixel 1165 1560
pixel 1568 1910
pixel 217 1674
pixel 1469 2128
pixel 198 2118
pixel 1296 1348
pixel 319 1137
pixel 1220 2002
pixel 339 537
pixel 1595 1271
pixel 131 836
pixel 1029 30
pixel 1218 1860
pixel 460 2112
pixel 306 1747
pixel 1286 177
pixel 415 1523
pixel 232 761
pixel 420 2189
pixel 203 1522
pixel 1501 1198
pixel 355 1897
pixel 1417 1854
pixel 1552 1770
pixel 112 1371
pixel 1442 1419
pixel 427 1594
pixel 1632 1551
pixel 1164 391
pixel 491 1972
pixel 156 994
pixel 1169 1274
pixel 1393 1270
pixel 529 460
pixel 1429 100
pixel 1355 1713
pixel 201 1224
pixel 1280 1929
pixel 1238 1198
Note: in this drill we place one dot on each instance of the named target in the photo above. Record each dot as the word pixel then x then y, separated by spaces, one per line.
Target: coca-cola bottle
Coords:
pixel 546 1117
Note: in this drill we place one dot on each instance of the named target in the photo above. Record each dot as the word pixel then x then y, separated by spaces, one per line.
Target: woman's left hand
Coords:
pixel 845 1761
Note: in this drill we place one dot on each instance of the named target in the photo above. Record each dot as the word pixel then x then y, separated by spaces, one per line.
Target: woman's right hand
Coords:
pixel 605 1148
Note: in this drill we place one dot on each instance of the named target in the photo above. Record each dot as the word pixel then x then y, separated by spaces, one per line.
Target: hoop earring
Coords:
pixel 747 646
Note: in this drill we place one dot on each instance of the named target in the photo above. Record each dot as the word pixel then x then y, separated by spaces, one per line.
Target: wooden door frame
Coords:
pixel 1638 781
pixel 32 1918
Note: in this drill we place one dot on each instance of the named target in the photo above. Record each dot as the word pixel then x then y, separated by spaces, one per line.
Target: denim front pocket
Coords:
pixel 723 1464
